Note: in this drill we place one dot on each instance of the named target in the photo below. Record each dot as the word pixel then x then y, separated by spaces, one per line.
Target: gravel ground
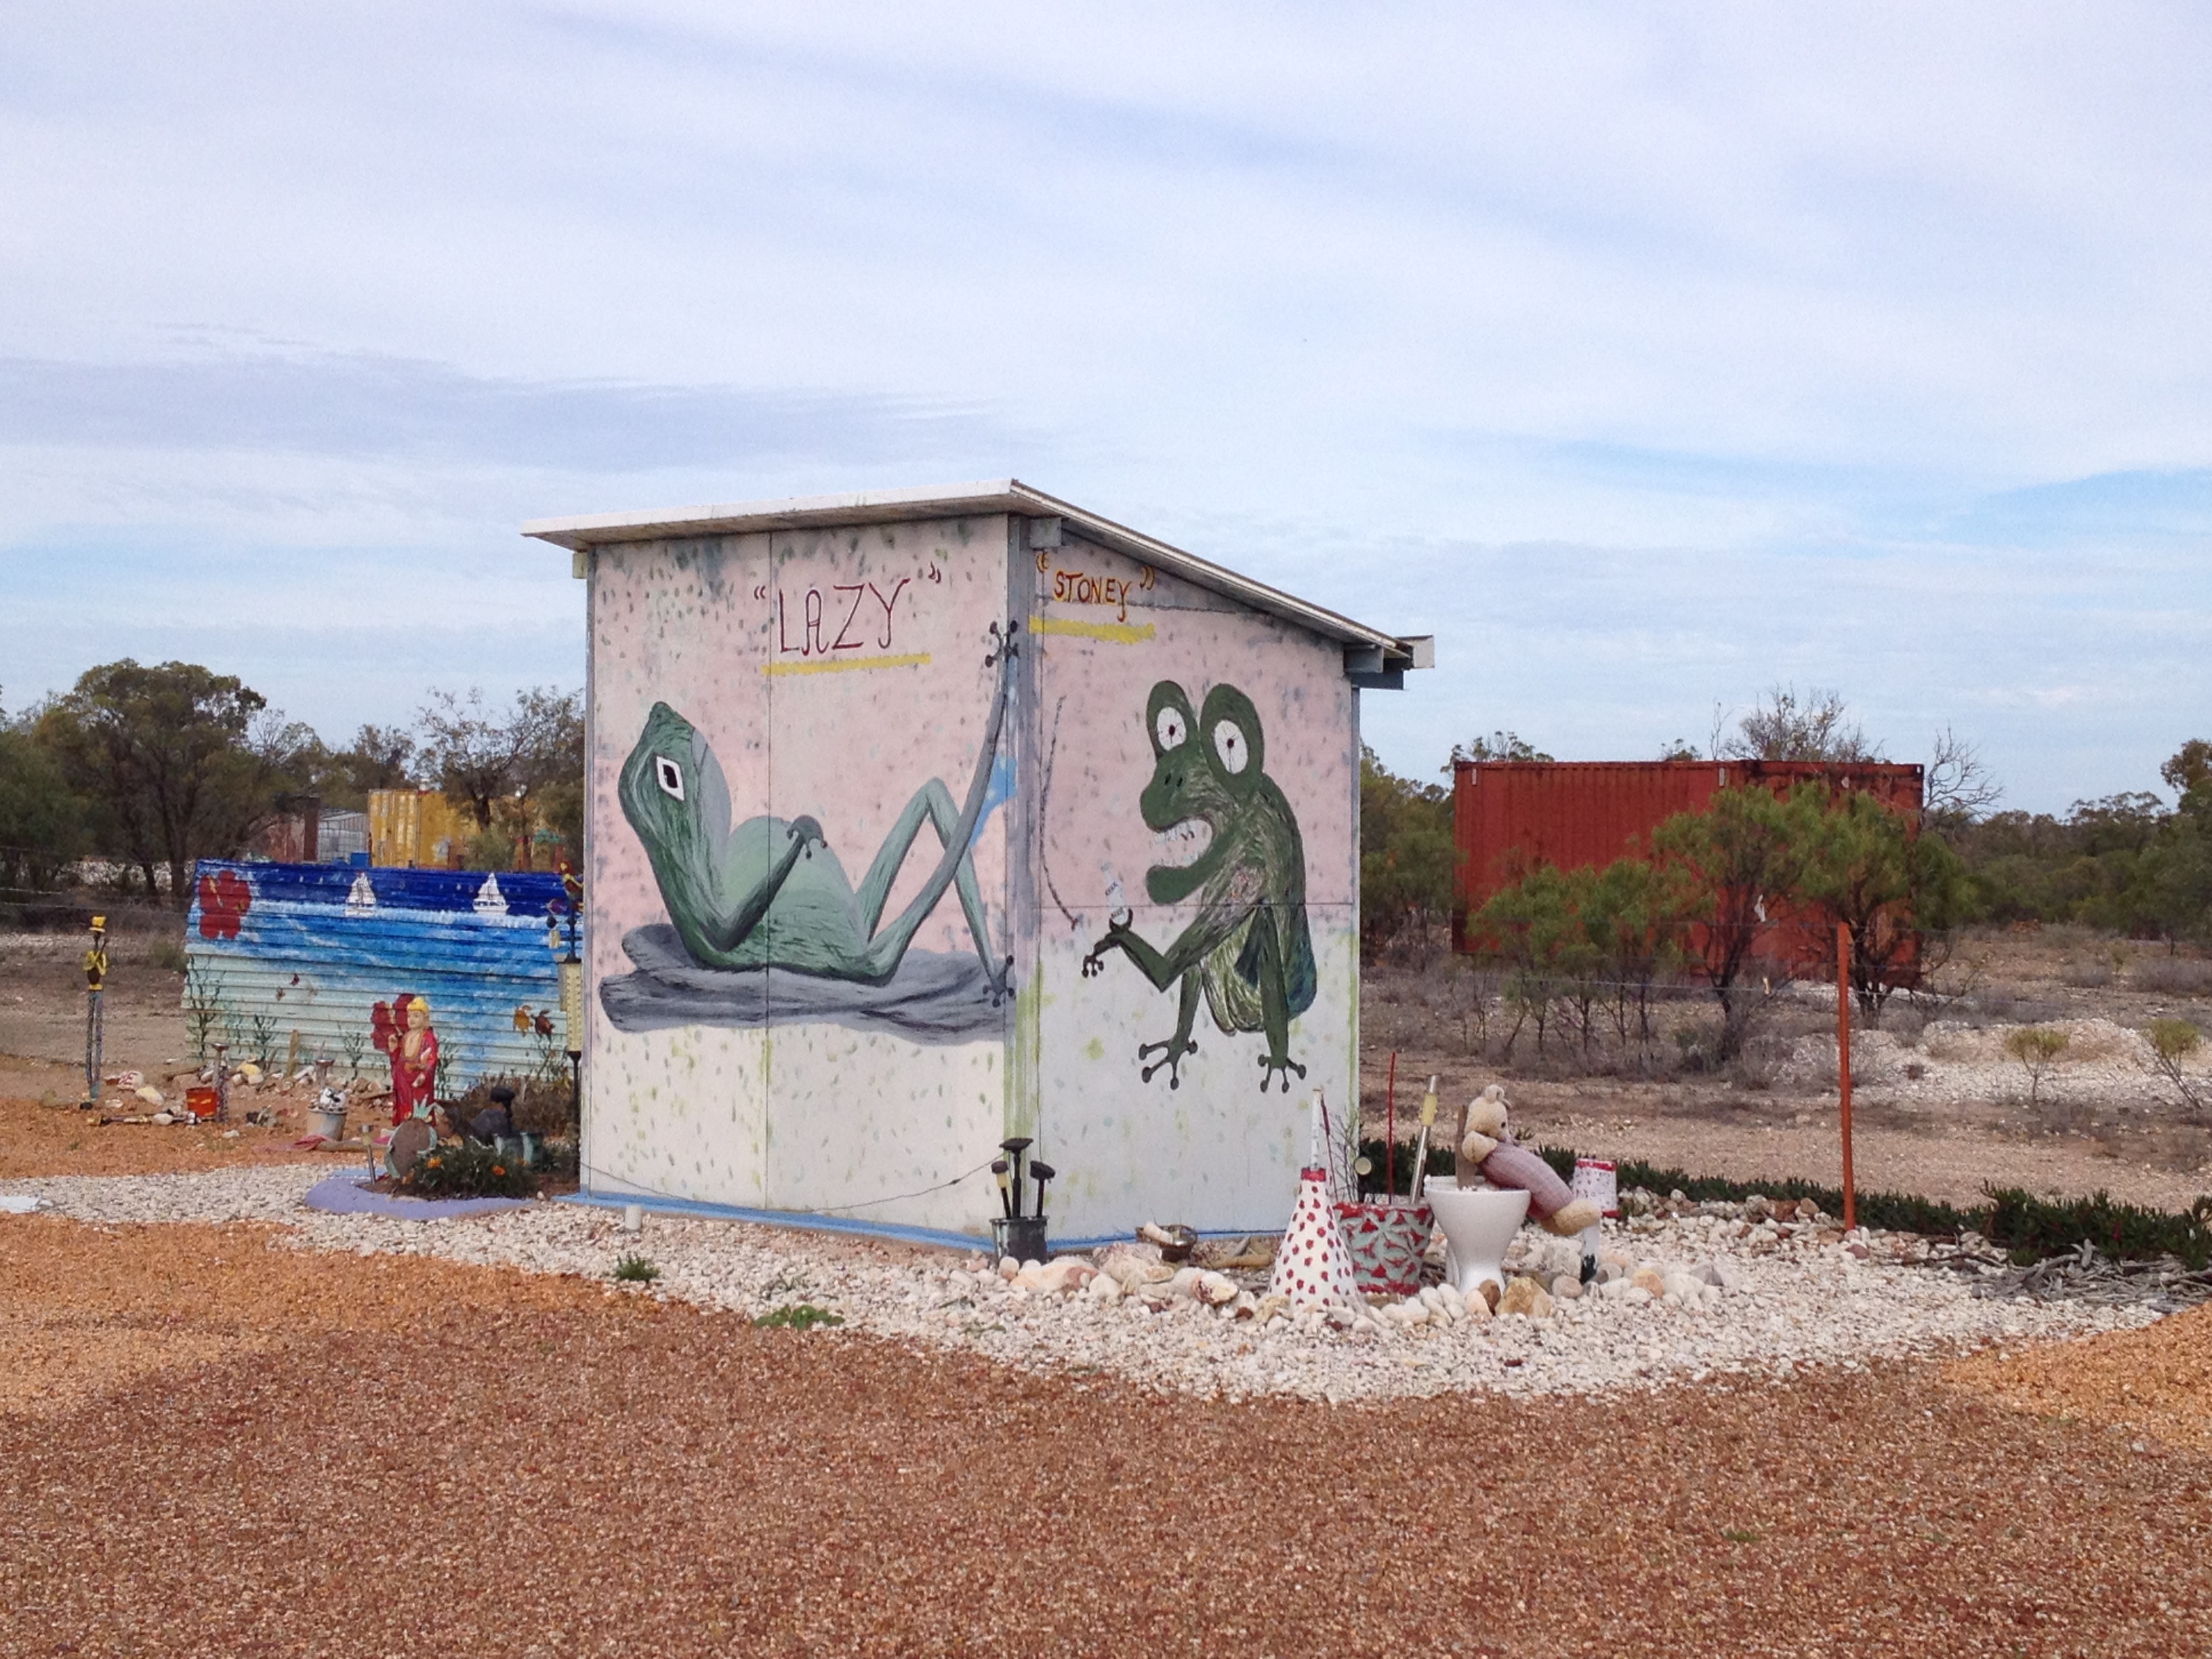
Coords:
pixel 2157 1381
pixel 427 1459
pixel 1790 1300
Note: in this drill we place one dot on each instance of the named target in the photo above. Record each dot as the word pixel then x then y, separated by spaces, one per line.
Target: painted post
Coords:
pixel 1843 1065
pixel 95 977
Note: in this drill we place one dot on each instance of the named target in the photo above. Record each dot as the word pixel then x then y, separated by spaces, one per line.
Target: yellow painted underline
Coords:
pixel 838 665
pixel 1112 633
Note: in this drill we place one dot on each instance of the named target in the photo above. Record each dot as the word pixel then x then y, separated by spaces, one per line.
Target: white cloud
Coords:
pixel 1645 355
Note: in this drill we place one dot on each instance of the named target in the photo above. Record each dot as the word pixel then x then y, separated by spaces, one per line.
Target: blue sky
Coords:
pixel 1646 355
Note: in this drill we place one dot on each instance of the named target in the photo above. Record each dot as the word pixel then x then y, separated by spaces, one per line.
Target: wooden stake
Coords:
pixel 1843 1064
pixel 1390 1132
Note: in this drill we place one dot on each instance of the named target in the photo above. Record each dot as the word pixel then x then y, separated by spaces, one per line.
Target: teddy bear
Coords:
pixel 1488 1146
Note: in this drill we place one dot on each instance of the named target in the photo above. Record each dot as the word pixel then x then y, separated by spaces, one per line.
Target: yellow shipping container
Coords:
pixel 412 829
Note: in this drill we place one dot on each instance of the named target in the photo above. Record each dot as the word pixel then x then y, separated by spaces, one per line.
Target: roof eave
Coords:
pixel 957 501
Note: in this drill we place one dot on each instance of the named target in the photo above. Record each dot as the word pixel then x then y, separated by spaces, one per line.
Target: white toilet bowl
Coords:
pixel 1479 1225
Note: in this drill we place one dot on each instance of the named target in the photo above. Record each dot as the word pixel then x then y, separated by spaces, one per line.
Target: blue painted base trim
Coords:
pixel 809 1221
pixel 802 1220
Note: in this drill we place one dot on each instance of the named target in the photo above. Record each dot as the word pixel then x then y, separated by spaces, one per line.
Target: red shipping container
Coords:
pixel 1509 816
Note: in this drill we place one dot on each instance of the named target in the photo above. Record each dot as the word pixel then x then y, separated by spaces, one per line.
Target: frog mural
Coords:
pixel 770 894
pixel 1248 953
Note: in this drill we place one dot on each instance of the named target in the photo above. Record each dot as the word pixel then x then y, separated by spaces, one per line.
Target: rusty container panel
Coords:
pixel 272 949
pixel 1509 816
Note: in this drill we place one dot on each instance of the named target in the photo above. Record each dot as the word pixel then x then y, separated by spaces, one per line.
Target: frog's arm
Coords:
pixel 803 833
pixel 1215 923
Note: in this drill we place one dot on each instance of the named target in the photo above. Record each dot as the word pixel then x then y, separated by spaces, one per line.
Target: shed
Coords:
pixel 921 819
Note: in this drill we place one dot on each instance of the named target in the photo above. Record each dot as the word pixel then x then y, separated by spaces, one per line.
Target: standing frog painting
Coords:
pixel 1248 953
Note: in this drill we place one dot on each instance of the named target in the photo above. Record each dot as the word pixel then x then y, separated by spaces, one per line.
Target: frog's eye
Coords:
pixel 668 775
pixel 1229 744
pixel 1168 729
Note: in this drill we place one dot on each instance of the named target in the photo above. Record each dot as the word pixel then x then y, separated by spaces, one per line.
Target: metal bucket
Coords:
pixel 327 1121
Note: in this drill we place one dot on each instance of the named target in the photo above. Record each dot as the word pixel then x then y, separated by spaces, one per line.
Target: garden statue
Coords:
pixel 402 1030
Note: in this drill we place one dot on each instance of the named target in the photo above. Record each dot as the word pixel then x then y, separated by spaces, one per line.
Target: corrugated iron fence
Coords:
pixel 272 950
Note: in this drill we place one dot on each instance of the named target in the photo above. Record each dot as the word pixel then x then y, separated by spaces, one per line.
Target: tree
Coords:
pixel 2190 767
pixel 41 819
pixel 1892 882
pixel 1957 787
pixel 1406 856
pixel 1531 928
pixel 378 758
pixel 1497 747
pixel 181 763
pixel 1784 729
pixel 486 761
pixel 1635 914
pixel 1745 852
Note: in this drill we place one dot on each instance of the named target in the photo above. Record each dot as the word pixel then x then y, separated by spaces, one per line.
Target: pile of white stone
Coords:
pixel 1684 1292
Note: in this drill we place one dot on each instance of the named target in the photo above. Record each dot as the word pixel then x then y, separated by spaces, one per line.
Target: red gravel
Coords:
pixel 577 1472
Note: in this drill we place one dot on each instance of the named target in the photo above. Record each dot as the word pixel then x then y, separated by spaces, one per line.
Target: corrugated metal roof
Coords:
pixel 957 501
pixel 272 949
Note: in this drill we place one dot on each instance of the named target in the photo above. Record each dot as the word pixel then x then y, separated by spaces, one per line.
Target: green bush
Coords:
pixel 2033 1227
pixel 468 1169
pixel 636 1270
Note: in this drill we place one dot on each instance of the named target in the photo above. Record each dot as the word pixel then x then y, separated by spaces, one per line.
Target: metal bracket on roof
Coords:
pixel 1368 668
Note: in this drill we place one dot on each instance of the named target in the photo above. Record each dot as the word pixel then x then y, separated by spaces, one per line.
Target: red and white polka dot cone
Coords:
pixel 1312 1266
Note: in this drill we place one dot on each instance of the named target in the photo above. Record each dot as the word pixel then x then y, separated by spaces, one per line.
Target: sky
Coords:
pixel 1649 356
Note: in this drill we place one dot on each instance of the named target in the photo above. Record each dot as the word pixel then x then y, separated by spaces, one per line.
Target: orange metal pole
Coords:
pixel 1843 1064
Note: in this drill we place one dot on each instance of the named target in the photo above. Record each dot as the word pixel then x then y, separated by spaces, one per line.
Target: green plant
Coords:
pixel 802 1317
pixel 354 1042
pixel 165 953
pixel 2032 1228
pixel 636 1270
pixel 2171 1042
pixel 2037 1047
pixel 263 1039
pixel 203 1009
pixel 468 1169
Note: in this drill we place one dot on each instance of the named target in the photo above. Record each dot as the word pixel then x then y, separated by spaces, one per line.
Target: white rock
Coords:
pixel 1215 1290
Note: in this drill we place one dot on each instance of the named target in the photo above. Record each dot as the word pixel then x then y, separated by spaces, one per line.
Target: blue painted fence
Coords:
pixel 272 949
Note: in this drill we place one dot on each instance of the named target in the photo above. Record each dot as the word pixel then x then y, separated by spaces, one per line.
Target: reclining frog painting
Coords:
pixel 766 927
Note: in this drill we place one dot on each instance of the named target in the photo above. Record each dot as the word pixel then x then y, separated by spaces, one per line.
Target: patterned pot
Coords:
pixel 1387 1242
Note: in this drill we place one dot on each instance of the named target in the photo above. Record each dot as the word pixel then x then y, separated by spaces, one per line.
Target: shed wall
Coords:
pixel 837 676
pixel 1214 1138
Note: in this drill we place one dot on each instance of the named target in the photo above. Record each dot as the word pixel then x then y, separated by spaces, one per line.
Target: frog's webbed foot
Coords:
pixel 1171 1053
pixel 1269 1065
pixel 809 830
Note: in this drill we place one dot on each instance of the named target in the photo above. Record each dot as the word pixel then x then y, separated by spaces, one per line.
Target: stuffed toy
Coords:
pixel 1488 1146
